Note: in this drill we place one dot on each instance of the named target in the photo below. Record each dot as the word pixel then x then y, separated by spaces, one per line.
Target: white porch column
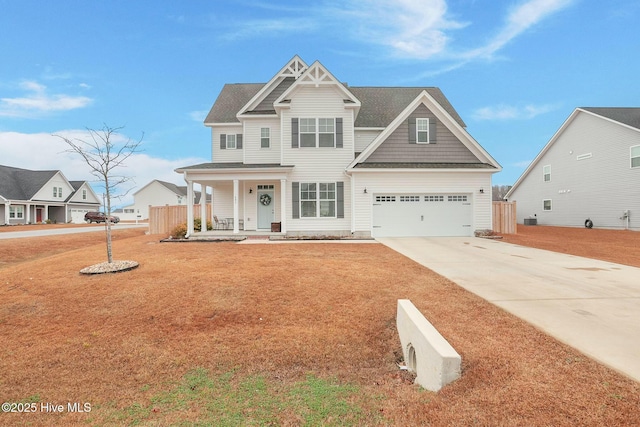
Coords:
pixel 7 206
pixel 46 213
pixel 203 207
pixel 236 228
pixel 27 208
pixel 283 205
pixel 189 208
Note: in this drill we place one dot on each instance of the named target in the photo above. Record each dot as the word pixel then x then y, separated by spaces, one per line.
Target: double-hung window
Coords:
pixel 55 192
pixel 307 132
pixel 422 131
pixel 265 137
pixel 327 199
pixel 635 156
pixel 84 194
pixel 231 142
pixel 318 200
pixel 546 173
pixel 16 212
pixel 546 205
pixel 326 133
pixel 308 199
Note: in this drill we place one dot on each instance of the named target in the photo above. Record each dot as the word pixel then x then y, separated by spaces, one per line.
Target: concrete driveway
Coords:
pixel 591 305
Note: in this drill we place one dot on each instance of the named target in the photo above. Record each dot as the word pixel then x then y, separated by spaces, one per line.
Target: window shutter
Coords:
pixel 339 132
pixel 340 199
pixel 223 141
pixel 412 130
pixel 294 133
pixel 239 141
pixel 295 200
pixel 432 131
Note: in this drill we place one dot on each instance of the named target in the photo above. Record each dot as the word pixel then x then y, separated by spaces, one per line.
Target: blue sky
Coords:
pixel 514 70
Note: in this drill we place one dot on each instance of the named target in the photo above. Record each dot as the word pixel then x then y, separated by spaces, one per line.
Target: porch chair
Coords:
pixel 220 225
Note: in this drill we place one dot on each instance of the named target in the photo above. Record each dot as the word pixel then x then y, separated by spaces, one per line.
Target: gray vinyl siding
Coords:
pixel 599 187
pixel 446 149
pixel 267 103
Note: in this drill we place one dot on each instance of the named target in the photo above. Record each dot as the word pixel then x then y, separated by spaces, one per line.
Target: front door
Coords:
pixel 38 214
pixel 266 207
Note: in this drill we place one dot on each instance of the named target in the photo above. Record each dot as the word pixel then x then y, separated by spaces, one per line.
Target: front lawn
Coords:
pixel 270 334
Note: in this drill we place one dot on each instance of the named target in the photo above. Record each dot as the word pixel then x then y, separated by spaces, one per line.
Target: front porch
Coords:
pixel 244 198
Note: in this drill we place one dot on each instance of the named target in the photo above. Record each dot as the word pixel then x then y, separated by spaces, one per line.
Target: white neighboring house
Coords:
pixel 588 174
pixel 305 154
pixel 155 193
pixel 28 196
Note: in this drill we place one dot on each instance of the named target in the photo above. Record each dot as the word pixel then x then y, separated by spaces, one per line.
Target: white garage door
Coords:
pixel 77 215
pixel 407 215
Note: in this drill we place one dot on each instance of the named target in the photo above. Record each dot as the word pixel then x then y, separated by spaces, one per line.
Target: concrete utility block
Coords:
pixel 426 352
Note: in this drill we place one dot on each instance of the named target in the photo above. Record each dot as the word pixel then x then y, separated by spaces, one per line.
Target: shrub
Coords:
pixel 197 224
pixel 179 231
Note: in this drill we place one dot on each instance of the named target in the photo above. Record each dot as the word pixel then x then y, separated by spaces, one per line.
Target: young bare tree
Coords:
pixel 104 151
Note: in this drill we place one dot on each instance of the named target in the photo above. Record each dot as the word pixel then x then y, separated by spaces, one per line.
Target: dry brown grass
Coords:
pixel 281 311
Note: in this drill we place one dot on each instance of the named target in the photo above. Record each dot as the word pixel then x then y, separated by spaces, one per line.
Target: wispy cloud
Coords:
pixel 268 28
pixel 415 29
pixel 518 20
pixel 37 101
pixel 511 112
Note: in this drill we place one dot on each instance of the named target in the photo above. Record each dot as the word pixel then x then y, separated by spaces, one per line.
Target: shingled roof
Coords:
pixel 628 116
pixel 380 105
pixel 22 184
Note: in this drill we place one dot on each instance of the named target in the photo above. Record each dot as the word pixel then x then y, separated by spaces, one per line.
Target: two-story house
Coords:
pixel 588 173
pixel 33 196
pixel 318 157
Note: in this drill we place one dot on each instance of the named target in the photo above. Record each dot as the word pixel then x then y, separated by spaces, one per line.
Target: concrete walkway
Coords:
pixel 591 305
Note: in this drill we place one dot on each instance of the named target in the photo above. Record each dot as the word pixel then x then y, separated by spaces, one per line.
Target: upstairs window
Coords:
pixel 231 142
pixel 326 132
pixel 55 191
pixel 265 137
pixel 84 194
pixel 546 173
pixel 635 156
pixel 422 131
pixel 314 133
pixel 307 132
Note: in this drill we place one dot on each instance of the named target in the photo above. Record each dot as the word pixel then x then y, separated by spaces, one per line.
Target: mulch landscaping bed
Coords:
pixel 282 311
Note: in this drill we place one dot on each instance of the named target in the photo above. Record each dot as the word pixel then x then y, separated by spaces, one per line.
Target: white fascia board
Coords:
pixel 548 145
pixel 223 124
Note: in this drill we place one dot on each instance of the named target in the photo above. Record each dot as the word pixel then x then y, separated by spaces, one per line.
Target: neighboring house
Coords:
pixel 588 171
pixel 28 196
pixel 318 157
pixel 155 193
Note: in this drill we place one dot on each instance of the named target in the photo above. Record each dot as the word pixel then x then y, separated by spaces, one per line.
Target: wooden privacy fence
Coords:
pixel 163 219
pixel 504 217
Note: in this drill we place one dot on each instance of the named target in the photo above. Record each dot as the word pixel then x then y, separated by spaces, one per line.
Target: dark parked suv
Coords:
pixel 99 217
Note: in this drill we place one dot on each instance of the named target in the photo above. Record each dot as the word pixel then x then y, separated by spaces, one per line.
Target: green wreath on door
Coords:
pixel 265 199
